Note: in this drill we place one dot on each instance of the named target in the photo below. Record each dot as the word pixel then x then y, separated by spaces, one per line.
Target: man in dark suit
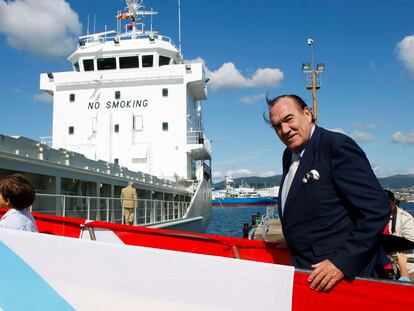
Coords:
pixel 332 207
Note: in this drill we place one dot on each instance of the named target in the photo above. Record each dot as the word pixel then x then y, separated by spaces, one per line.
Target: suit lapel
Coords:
pixel 305 165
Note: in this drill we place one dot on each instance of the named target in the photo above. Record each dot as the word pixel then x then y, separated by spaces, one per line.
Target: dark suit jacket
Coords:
pixel 342 215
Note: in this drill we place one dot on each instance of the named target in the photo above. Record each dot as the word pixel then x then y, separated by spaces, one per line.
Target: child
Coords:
pixel 16 194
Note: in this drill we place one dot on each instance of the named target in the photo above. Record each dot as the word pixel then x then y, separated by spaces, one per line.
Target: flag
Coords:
pixel 126 16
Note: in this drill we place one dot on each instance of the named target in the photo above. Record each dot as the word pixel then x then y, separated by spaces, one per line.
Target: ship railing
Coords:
pixel 46 140
pixel 114 36
pixel 198 137
pixel 147 211
pixel 271 213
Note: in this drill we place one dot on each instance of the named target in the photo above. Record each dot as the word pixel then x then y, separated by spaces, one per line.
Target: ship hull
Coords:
pixel 260 201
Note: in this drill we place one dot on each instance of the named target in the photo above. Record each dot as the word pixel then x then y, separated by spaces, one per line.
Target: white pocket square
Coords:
pixel 311 176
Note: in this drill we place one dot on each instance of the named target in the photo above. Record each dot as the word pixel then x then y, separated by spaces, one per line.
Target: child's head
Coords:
pixel 16 191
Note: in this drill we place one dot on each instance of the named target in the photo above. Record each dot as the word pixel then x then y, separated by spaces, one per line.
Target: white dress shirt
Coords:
pixel 18 220
pixel 292 172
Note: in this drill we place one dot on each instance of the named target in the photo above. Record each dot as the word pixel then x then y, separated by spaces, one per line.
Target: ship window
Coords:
pixel 106 63
pixel 163 60
pixel 116 161
pixel 71 97
pixel 128 62
pixel 88 65
pixel 116 128
pixel 117 95
pixel 76 66
pixel 165 126
pixel 71 130
pixel 138 123
pixel 165 92
pixel 147 60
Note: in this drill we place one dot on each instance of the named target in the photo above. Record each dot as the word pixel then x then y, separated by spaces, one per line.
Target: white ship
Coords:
pixel 131 109
pixel 244 195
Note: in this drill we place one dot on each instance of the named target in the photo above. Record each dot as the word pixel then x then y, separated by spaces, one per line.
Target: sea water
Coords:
pixel 228 221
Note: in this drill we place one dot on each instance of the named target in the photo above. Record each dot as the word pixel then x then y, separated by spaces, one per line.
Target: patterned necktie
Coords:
pixel 289 178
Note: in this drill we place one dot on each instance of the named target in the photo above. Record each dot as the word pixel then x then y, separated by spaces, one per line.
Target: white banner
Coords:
pixel 91 275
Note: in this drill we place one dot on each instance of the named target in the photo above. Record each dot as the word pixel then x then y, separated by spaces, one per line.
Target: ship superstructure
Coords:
pixel 130 110
pixel 132 101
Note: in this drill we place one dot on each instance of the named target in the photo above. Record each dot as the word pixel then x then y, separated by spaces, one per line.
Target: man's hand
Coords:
pixel 325 276
pixel 402 264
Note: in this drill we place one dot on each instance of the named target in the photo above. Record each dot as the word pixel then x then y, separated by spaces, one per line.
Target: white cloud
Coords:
pixel 43 97
pixel 405 50
pixel 252 98
pixel 360 136
pixel 228 77
pixel 218 174
pixel 357 125
pixel 45 27
pixel 266 78
pixel 243 172
pixel 357 135
pixel 267 174
pixel 400 138
pixel 338 130
pixel 375 167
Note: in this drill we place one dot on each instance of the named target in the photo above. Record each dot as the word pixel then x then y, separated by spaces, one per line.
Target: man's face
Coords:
pixel 291 124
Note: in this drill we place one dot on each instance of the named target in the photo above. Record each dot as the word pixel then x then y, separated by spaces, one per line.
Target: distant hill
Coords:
pixel 395 181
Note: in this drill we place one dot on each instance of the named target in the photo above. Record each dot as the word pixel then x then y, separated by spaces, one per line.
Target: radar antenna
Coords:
pixel 135 13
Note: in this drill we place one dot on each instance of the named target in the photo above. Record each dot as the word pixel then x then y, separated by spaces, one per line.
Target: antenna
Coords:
pixel 87 28
pixel 94 23
pixel 151 20
pixel 118 23
pixel 179 26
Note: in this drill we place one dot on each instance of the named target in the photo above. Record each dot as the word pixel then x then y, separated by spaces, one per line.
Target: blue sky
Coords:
pixel 250 48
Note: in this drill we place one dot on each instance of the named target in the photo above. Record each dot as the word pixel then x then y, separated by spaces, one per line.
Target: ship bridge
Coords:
pixel 109 51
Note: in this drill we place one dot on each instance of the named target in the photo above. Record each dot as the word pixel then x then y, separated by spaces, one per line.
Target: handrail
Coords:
pixel 147 211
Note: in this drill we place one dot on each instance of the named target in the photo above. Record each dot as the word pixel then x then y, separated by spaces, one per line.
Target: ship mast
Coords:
pixel 313 78
pixel 135 13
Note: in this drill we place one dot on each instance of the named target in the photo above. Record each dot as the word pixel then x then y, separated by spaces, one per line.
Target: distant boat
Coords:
pixel 244 195
pixel 245 201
